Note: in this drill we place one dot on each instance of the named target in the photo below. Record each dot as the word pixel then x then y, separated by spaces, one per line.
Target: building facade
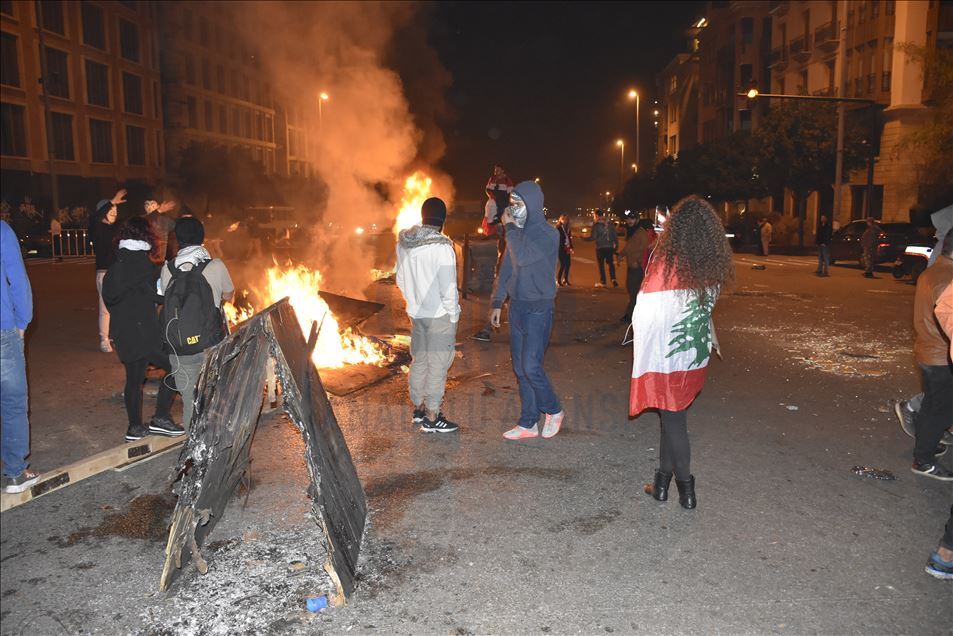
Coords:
pixel 101 79
pixel 676 110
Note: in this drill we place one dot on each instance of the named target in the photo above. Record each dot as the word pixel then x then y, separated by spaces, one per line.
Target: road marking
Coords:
pixel 583 259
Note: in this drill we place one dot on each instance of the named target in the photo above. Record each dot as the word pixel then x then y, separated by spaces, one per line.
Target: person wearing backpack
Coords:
pixel 129 291
pixel 194 285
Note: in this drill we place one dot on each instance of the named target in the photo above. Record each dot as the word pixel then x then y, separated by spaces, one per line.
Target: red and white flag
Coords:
pixel 672 343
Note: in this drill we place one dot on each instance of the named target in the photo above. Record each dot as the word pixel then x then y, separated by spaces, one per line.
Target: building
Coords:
pixel 102 83
pixel 216 90
pixel 676 110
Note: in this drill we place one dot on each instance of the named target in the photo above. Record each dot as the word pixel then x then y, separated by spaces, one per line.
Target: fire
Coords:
pixel 416 191
pixel 335 347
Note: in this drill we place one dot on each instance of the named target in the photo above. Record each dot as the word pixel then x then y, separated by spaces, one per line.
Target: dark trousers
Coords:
pixel 529 336
pixel 947 540
pixel 675 453
pixel 135 376
pixel 935 413
pixel 565 261
pixel 605 255
pixel 633 281
pixel 870 260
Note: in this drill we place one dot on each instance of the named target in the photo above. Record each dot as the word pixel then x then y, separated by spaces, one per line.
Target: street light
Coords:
pixel 621 145
pixel 536 179
pixel 634 94
pixel 635 167
pixel 323 97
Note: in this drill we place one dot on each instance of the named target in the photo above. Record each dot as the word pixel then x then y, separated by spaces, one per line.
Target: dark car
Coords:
pixel 892 240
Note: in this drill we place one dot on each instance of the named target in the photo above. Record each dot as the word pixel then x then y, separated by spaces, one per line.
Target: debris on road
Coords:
pixel 873 473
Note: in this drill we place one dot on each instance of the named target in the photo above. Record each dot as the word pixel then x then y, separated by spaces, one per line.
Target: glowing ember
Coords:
pixel 416 191
pixel 335 347
pixel 233 226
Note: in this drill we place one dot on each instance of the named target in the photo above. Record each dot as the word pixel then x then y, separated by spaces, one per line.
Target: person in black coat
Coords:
pixel 565 250
pixel 130 292
pixel 824 235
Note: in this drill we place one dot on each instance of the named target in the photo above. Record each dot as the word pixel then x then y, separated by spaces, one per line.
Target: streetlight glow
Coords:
pixel 324 96
pixel 619 142
pixel 536 179
pixel 634 95
pixel 752 93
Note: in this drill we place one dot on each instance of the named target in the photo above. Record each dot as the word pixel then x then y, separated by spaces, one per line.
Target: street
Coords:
pixel 473 534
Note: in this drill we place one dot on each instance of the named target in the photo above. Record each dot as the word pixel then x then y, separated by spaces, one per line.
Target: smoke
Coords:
pixel 368 140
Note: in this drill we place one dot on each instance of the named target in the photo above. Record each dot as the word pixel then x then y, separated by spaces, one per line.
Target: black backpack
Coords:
pixel 190 321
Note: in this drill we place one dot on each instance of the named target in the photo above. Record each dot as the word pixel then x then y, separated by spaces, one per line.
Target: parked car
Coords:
pixel 892 240
pixel 913 260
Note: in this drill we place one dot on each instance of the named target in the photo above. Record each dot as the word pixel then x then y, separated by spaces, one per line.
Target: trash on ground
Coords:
pixel 317 603
pixel 873 473
pixel 791 407
pixel 759 267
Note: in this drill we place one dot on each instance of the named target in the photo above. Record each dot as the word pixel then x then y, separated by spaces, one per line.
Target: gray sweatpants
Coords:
pixel 432 348
pixel 186 371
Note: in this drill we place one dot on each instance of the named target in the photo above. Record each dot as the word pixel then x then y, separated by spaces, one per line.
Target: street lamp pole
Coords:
pixel 323 97
pixel 634 94
pixel 621 145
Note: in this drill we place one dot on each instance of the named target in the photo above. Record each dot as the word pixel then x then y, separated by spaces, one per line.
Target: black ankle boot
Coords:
pixel 686 492
pixel 659 489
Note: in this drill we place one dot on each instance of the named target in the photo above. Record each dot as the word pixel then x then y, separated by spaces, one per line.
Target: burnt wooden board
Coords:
pixel 350 311
pixel 216 455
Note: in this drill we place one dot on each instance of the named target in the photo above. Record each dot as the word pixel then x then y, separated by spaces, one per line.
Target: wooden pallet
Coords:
pixel 112 459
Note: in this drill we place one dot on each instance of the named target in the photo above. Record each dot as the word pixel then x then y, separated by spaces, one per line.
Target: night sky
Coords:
pixel 541 89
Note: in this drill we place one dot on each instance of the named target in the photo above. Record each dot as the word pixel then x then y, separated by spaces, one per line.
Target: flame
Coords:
pixel 416 191
pixel 233 226
pixel 335 347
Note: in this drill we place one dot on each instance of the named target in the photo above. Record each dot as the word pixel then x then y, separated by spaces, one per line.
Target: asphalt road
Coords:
pixel 471 534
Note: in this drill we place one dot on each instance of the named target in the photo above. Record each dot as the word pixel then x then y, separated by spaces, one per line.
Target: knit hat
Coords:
pixel 189 231
pixel 433 212
pixel 103 207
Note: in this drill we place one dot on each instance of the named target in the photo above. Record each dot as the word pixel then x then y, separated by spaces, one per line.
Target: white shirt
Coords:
pixel 427 276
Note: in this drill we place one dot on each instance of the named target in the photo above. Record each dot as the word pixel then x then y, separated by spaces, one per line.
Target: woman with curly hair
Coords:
pixel 690 265
pixel 130 293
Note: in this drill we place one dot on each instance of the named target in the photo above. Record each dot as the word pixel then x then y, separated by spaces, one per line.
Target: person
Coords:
pixel 102 235
pixel 673 334
pixel 931 349
pixel 190 234
pixel 129 291
pixel 427 277
pixel 16 312
pixel 823 241
pixel 651 239
pixel 766 230
pixel 498 189
pixel 526 279
pixel 607 243
pixel 565 250
pixel 636 243
pixel 162 225
pixel 499 186
pixel 868 242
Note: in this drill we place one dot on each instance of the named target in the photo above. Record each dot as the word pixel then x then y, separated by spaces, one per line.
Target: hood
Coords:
pixel 943 222
pixel 532 196
pixel 421 235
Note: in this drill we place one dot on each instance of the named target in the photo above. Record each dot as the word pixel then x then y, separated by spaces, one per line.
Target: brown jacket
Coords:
pixel 930 346
pixel 635 246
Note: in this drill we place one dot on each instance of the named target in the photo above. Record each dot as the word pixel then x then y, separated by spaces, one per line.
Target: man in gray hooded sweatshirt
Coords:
pixel 527 277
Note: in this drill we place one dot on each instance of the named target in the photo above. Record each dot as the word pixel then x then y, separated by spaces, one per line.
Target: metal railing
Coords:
pixel 69 244
pixel 827 33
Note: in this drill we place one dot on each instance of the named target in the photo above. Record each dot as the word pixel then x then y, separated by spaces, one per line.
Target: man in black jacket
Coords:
pixel 824 232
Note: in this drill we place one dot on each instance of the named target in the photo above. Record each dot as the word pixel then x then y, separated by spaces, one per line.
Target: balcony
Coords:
pixel 826 37
pixel 885 81
pixel 824 92
pixel 801 48
pixel 778 58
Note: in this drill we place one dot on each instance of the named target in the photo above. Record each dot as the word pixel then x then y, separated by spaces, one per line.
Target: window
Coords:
pixel 187 24
pixel 12 130
pixel 9 60
pixel 888 64
pixel 236 122
pixel 101 141
pixel 220 78
pixel 223 120
pixel 57 69
pixel 132 93
pixel 203 31
pixel 745 76
pixel 97 84
pixel 189 70
pixel 62 136
pixel 747 30
pixel 158 147
pixel 259 127
pixel 193 112
pixel 745 120
pixel 206 75
pixel 94 29
pixel 135 145
pixel 6 8
pixel 269 130
pixel 673 84
pixel 129 40
pixel 246 124
pixel 51 12
pixel 890 7
pixel 874 9
pixel 209 117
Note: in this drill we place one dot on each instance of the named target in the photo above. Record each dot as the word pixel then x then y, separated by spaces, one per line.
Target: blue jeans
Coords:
pixel 823 259
pixel 529 337
pixel 13 403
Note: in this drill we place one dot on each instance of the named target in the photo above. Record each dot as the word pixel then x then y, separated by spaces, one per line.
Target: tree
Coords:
pixel 796 148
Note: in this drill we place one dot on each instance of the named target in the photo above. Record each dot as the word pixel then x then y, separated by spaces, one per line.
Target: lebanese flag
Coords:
pixel 672 343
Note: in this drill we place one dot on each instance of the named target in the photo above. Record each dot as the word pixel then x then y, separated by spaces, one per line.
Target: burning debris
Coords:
pixel 216 455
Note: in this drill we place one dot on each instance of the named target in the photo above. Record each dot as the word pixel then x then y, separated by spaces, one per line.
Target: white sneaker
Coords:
pixel 105 347
pixel 521 432
pixel 552 424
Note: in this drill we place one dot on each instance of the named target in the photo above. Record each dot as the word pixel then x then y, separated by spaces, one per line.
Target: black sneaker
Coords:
pixel 947 439
pixel 135 433
pixel 440 425
pixel 419 416
pixel 483 335
pixel 940 450
pixel 14 485
pixel 165 426
pixel 935 471
pixel 615 283
pixel 905 416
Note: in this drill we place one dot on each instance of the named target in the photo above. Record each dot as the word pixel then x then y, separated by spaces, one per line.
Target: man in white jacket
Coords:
pixel 427 277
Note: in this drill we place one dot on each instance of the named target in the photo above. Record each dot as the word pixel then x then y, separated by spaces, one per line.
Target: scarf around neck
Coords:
pixel 193 254
pixel 134 245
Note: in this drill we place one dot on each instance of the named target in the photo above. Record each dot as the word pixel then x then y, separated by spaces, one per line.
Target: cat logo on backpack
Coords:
pixel 190 320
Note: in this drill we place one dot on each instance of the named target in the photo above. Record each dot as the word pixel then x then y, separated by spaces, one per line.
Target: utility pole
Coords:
pixel 48 116
pixel 841 107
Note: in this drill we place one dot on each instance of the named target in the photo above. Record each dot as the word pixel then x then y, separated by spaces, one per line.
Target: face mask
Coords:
pixel 517 210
